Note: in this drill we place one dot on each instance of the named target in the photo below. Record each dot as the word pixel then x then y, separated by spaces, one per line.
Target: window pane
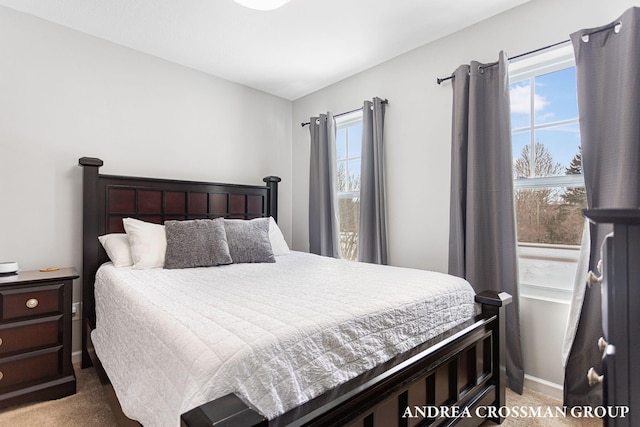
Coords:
pixel 341 144
pixel 353 178
pixel 520 140
pixel 562 143
pixel 355 141
pixel 349 211
pixel 520 94
pixel 342 176
pixel 550 215
pixel 555 96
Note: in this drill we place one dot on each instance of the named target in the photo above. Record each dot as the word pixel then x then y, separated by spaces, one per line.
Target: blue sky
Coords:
pixel 554 101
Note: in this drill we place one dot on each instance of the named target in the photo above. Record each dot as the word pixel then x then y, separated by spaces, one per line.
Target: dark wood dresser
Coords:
pixel 620 313
pixel 35 336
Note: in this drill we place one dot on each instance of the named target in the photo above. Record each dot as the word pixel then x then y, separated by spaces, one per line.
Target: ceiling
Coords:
pixel 289 52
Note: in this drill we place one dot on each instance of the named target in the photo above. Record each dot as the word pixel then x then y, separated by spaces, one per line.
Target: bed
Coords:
pixel 223 369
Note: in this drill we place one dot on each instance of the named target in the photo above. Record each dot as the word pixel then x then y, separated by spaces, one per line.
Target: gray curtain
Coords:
pixel 482 235
pixel 324 237
pixel 372 233
pixel 608 78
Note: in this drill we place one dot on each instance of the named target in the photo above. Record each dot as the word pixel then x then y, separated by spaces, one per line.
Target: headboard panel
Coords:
pixel 109 198
pixel 159 201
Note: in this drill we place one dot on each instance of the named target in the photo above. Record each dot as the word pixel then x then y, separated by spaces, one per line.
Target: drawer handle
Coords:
pixel 1 375
pixel 0 341
pixel 32 303
pixel 593 377
pixel 592 279
pixel 602 344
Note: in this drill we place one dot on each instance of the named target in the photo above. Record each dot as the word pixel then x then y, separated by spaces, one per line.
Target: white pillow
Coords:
pixel 278 244
pixel 148 243
pixel 117 247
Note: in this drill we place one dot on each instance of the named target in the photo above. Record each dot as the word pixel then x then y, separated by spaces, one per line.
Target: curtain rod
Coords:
pixel 444 79
pixel 608 27
pixel 384 101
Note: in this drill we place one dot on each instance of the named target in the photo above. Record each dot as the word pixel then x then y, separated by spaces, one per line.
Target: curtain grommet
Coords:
pixel 617 27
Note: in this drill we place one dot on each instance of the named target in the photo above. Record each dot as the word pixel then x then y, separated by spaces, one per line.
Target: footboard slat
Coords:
pixel 418 393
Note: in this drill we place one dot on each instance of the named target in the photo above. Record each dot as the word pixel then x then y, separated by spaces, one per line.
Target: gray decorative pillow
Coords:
pixel 249 240
pixel 196 243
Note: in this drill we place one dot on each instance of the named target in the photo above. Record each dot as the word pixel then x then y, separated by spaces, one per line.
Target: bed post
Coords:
pixel 495 303
pixel 229 411
pixel 272 201
pixel 90 255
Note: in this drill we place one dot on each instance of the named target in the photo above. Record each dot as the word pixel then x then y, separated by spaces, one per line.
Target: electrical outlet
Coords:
pixel 76 311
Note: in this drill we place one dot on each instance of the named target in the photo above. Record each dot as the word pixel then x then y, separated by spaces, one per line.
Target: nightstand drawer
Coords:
pixel 29 335
pixel 18 371
pixel 31 301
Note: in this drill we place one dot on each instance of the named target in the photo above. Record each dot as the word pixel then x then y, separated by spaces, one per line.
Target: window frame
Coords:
pixel 566 256
pixel 345 121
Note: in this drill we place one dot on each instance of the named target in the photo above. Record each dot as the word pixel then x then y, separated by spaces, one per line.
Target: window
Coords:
pixel 348 152
pixel 547 167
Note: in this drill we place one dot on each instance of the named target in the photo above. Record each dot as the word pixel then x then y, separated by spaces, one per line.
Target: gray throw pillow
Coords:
pixel 196 243
pixel 249 240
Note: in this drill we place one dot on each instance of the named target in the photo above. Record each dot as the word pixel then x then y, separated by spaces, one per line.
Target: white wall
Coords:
pixel 542 331
pixel 418 132
pixel 64 95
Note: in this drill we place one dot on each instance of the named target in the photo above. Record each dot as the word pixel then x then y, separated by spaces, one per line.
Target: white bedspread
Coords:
pixel 277 334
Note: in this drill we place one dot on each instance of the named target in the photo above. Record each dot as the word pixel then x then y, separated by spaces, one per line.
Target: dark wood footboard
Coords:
pixel 457 378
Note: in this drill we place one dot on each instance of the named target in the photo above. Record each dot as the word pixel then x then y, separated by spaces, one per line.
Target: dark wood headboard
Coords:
pixel 109 198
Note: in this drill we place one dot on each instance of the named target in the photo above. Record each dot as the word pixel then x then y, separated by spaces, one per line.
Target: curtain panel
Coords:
pixel 482 237
pixel 372 233
pixel 608 80
pixel 324 237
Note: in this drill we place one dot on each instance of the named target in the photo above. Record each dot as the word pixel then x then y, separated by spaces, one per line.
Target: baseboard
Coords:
pixel 76 357
pixel 543 386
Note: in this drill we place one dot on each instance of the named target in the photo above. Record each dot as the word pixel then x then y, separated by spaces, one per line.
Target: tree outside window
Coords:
pixel 549 215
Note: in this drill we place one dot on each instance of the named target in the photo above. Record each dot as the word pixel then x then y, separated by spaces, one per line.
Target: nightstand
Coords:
pixel 35 336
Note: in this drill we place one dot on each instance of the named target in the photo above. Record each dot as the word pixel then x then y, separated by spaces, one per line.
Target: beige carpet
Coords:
pixel 536 400
pixel 88 407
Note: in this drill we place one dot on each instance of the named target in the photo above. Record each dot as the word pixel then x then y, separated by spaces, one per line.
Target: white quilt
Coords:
pixel 277 334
